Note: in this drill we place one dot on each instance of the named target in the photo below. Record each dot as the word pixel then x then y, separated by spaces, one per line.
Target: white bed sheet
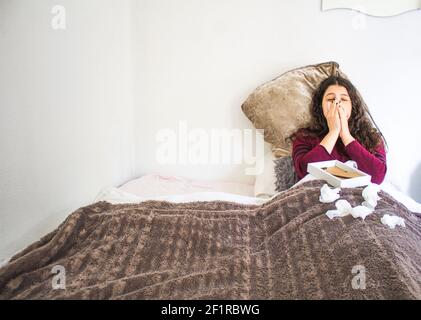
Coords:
pixel 178 189
pixel 118 196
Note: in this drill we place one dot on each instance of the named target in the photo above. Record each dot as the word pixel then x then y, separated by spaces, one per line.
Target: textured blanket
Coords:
pixel 286 248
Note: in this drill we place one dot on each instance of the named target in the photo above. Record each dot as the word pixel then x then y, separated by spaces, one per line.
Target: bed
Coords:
pixel 169 237
pixel 186 239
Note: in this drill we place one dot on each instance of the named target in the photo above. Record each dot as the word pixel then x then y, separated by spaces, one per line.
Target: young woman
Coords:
pixel 340 130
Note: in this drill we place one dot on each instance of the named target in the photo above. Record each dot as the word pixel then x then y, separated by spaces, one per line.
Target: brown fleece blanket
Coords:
pixel 286 248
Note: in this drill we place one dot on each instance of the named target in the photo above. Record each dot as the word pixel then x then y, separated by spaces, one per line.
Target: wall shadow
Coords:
pixel 415 184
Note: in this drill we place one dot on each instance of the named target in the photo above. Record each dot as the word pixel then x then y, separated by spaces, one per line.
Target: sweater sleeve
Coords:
pixel 304 152
pixel 373 164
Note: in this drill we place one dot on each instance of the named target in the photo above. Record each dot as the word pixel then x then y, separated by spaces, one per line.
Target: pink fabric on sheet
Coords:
pixel 153 185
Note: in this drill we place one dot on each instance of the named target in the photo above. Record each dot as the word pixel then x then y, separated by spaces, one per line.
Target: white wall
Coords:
pixel 197 60
pixel 66 125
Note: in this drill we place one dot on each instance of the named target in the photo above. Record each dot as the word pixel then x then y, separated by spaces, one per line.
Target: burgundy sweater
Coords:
pixel 309 149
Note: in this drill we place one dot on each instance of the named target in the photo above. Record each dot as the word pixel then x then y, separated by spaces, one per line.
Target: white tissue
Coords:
pixel 344 208
pixel 361 212
pixel 370 195
pixel 335 213
pixel 328 195
pixel 392 221
pixel 352 163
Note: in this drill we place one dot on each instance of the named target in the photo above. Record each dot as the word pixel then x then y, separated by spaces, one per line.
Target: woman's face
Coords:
pixel 338 94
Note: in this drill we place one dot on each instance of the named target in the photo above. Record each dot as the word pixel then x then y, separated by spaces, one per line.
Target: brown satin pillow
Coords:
pixel 282 105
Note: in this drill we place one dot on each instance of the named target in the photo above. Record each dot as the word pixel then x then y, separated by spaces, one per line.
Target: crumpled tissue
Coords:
pixel 352 163
pixel 344 208
pixel 392 221
pixel 370 195
pixel 328 195
pixel 361 212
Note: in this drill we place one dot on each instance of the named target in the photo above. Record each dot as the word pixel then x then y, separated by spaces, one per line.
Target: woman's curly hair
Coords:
pixel 359 123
